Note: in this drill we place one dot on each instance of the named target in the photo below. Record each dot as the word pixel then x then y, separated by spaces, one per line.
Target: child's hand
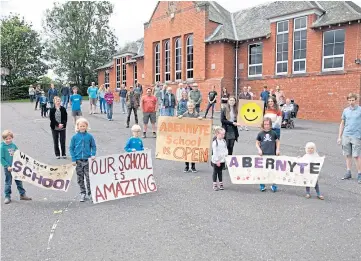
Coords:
pixel 93 157
pixel 61 126
pixel 278 152
pixel 10 169
pixel 180 116
pixel 74 163
pixel 260 152
pixel 134 150
pixel 218 164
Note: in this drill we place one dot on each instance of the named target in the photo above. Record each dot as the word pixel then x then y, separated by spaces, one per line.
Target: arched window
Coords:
pixel 157 62
pixel 190 57
pixel 167 61
pixel 178 59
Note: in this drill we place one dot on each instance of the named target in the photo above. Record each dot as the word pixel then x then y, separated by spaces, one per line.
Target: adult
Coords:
pixel 249 88
pixel 148 105
pixel 212 100
pixel 274 113
pixel 37 96
pixel 264 97
pixel 350 135
pixel 229 123
pixel 122 95
pixel 52 92
pixel 31 93
pixel 182 105
pixel 162 95
pixel 188 88
pixel 65 95
pixel 196 96
pixel 169 102
pixel 224 97
pixel 287 109
pixel 93 94
pixel 132 101
pixel 102 103
pixel 138 89
pixel 280 96
pixel 58 119
pixel 272 94
pixel 179 91
pixel 244 95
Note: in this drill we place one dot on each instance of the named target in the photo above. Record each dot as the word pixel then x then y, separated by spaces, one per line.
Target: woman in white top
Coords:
pixel 31 93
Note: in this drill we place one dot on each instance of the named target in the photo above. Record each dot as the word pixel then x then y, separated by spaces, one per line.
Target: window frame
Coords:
pixel 288 31
pixel 106 78
pixel 253 65
pixel 135 73
pixel 124 70
pixel 167 61
pixel 157 62
pixel 178 39
pixel 118 72
pixel 293 46
pixel 333 56
pixel 190 69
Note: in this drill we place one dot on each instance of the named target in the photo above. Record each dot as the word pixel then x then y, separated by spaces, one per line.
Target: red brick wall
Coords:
pixel 140 70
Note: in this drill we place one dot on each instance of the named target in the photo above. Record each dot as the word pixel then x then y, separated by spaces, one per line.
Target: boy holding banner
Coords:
pixel 268 143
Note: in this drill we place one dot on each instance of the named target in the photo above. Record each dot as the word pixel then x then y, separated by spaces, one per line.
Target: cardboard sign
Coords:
pixel 250 112
pixel 41 175
pixel 121 176
pixel 186 139
pixel 280 170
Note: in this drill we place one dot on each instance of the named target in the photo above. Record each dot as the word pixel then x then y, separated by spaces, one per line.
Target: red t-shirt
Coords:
pixel 149 103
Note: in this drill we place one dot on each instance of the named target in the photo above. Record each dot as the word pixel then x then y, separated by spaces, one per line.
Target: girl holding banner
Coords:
pixel 274 113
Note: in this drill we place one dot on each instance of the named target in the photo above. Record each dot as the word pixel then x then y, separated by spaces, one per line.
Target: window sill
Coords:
pixel 336 72
pixel 299 75
pixel 253 78
pixel 277 76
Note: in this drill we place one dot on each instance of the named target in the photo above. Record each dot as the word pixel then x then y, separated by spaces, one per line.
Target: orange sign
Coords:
pixel 186 139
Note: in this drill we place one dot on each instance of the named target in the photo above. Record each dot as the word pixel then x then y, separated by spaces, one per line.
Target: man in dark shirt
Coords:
pixel 65 95
pixel 133 101
pixel 212 100
pixel 122 96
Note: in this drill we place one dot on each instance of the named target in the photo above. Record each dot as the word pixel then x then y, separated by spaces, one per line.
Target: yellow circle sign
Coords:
pixel 251 113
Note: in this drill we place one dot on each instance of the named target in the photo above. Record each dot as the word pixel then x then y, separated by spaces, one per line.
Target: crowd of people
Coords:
pixel 185 103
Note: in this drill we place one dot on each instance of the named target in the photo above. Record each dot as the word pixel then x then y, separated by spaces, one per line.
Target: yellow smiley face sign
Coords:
pixel 250 112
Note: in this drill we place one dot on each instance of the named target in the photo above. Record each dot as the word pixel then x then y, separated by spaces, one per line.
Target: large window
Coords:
pixel 190 57
pixel 282 48
pixel 333 50
pixel 255 60
pixel 167 61
pixel 106 79
pixel 299 45
pixel 135 76
pixel 178 59
pixel 118 72
pixel 124 71
pixel 157 62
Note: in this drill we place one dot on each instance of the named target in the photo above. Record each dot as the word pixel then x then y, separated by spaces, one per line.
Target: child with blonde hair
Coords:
pixel 219 154
pixel 82 147
pixel 311 153
pixel 7 152
pixel 134 143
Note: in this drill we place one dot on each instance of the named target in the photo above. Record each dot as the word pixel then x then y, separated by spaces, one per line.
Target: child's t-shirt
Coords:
pixel 43 100
pixel 268 140
pixel 75 100
pixel 7 153
pixel 134 143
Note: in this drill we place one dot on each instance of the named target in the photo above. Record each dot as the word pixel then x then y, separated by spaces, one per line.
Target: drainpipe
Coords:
pixel 236 76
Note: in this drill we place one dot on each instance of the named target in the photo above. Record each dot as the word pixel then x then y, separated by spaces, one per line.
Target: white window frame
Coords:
pixel 135 73
pixel 189 69
pixel 333 56
pixel 157 62
pixel 106 78
pixel 293 48
pixel 285 32
pixel 118 71
pixel 175 59
pixel 124 71
pixel 254 65
pixel 167 61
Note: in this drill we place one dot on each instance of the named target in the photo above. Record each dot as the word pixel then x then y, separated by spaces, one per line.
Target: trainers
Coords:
pixel 246 129
pixel 215 188
pixel 274 188
pixel 154 135
pixel 82 197
pixel 58 157
pixel 7 200
pixel 24 197
pixel 64 157
pixel 347 176
pixel 194 170
pixel 221 187
pixel 186 169
pixel 127 126
pixel 359 178
pixel 262 187
pixel 123 112
pixel 144 135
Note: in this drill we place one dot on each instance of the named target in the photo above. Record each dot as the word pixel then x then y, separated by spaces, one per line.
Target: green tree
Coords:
pixel 80 38
pixel 21 50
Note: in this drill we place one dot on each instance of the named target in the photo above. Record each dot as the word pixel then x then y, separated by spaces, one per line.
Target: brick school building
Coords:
pixel 311 49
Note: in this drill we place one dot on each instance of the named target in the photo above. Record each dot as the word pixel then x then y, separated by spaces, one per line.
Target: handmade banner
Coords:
pixel 121 176
pixel 40 174
pixel 250 112
pixel 185 139
pixel 280 170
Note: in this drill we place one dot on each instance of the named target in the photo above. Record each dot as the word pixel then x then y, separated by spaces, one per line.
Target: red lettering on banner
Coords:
pixel 94 169
pixel 110 164
pixel 152 183
pixel 135 193
pixel 142 185
pixel 98 194
pixel 133 161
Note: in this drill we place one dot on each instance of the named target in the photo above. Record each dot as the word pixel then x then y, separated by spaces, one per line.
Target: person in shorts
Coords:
pixel 93 95
pixel 75 102
pixel 148 105
pixel 349 136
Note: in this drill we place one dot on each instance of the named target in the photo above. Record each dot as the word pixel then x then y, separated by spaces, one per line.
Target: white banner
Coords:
pixel 280 170
pixel 121 176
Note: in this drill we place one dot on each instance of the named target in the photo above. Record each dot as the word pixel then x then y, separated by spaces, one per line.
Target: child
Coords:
pixel 219 154
pixel 43 102
pixel 75 103
pixel 134 143
pixel 82 147
pixel 109 98
pixel 268 143
pixel 190 113
pixel 311 152
pixel 7 152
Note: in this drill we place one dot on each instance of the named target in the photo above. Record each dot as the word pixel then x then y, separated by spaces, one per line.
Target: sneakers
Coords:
pixel 215 188
pixel 58 157
pixel 127 126
pixel 64 157
pixel 359 178
pixel 274 188
pixel 221 186
pixel 24 197
pixel 154 135
pixel 186 169
pixel 82 197
pixel 246 128
pixel 123 112
pixel 7 200
pixel 144 135
pixel 194 170
pixel 240 128
pixel 262 187
pixel 347 176
pixel 308 196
